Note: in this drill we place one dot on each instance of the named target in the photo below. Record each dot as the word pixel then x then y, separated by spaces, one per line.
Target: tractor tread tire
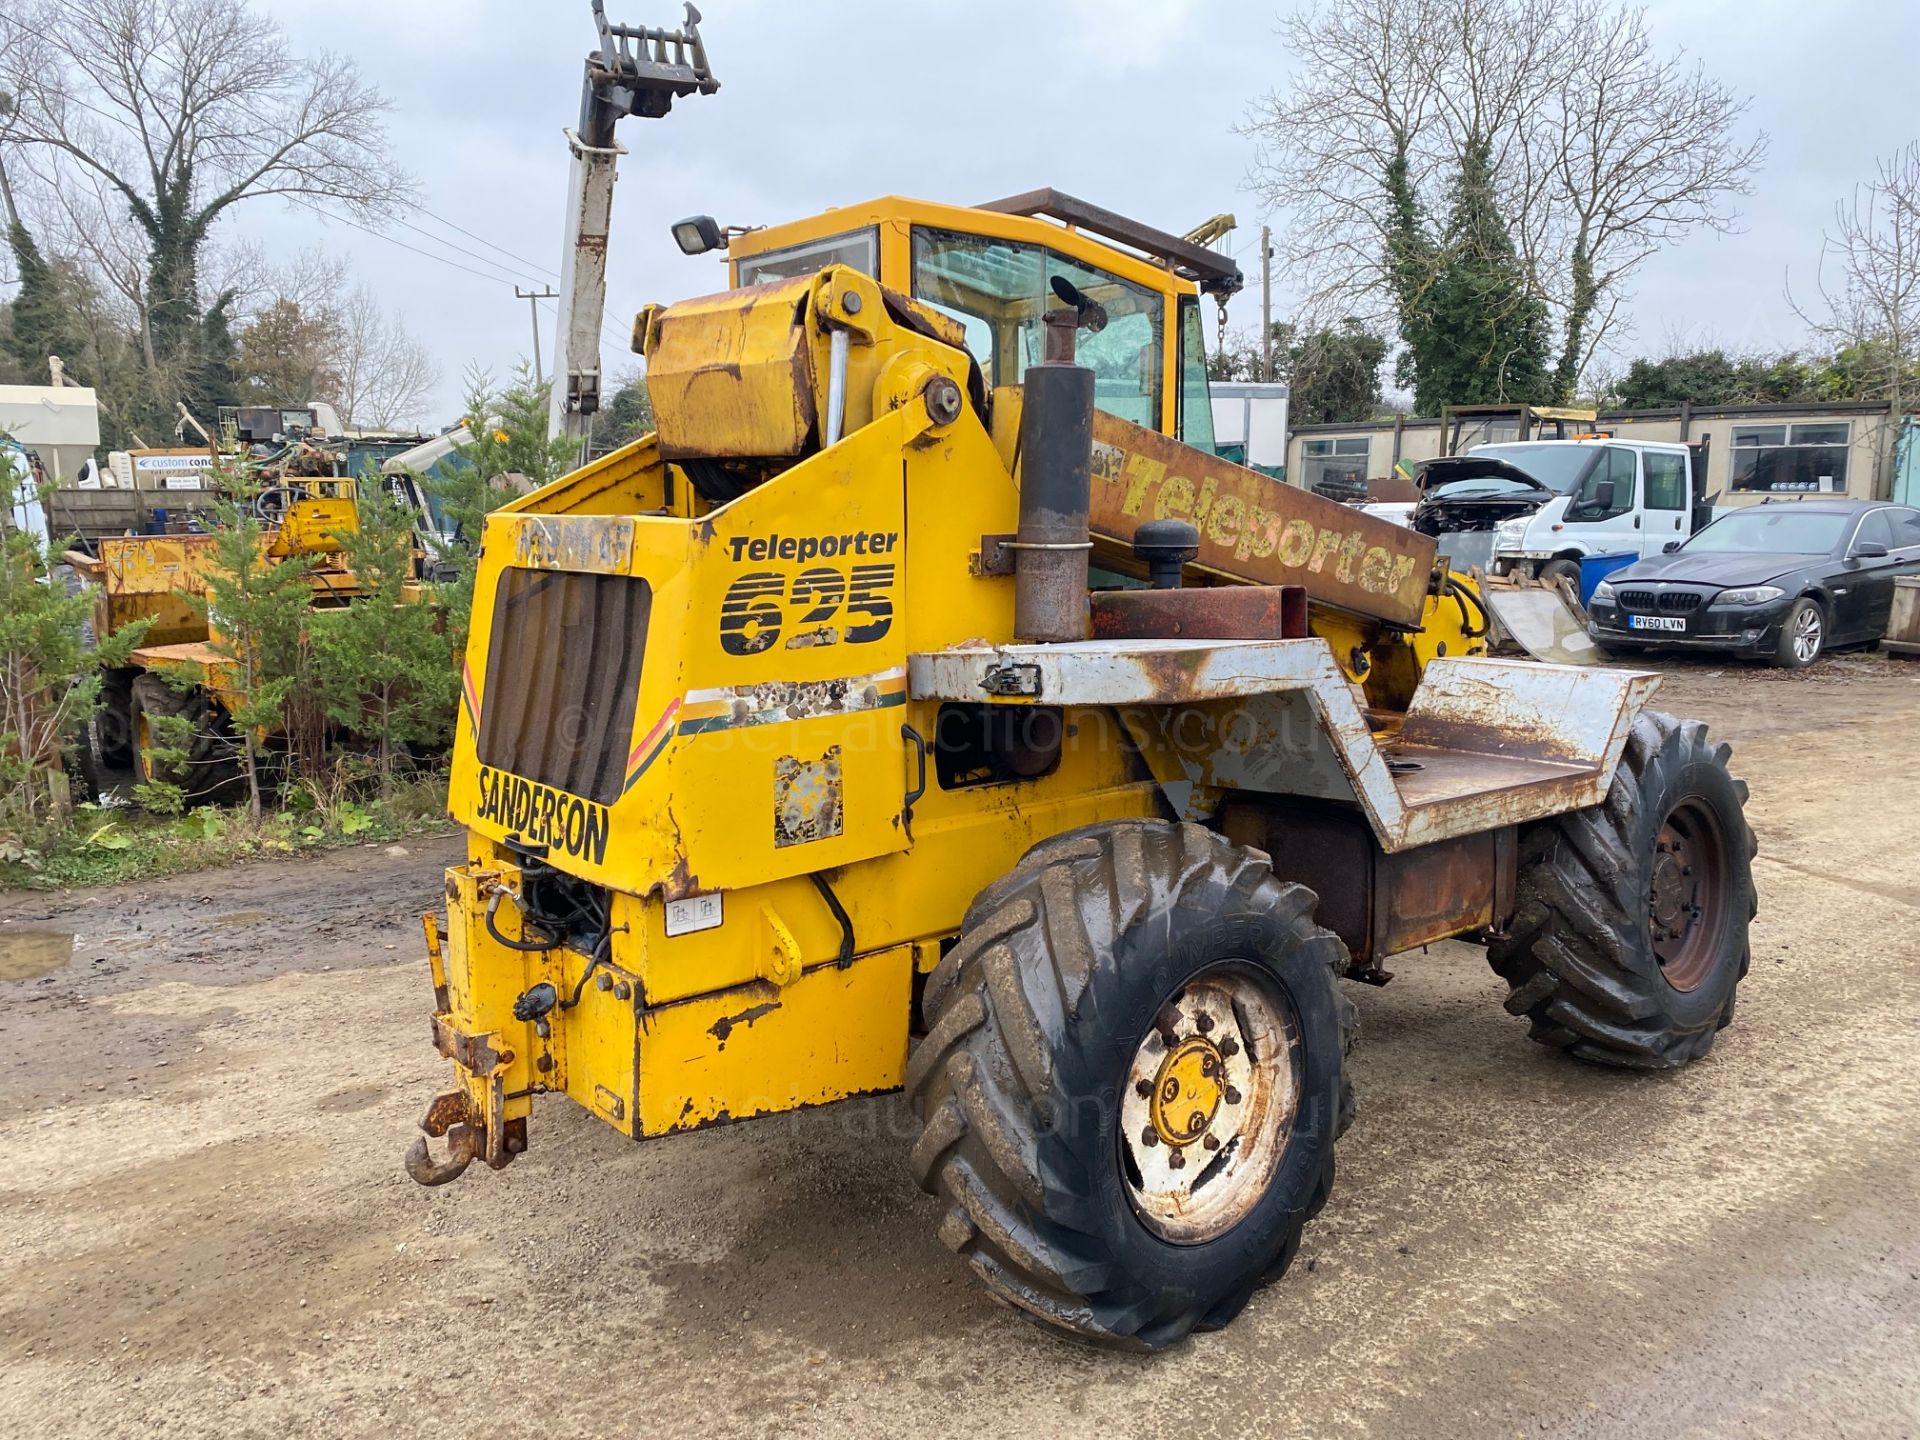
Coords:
pixel 1578 958
pixel 1021 1016
pixel 213 772
pixel 113 718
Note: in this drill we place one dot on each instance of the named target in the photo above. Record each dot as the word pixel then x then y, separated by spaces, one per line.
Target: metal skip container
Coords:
pixel 1903 625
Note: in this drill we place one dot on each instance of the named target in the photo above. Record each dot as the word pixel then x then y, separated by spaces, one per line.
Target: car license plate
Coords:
pixel 1657 622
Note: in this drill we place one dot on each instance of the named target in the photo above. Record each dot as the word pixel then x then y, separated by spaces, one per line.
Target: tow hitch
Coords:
pixel 472 1118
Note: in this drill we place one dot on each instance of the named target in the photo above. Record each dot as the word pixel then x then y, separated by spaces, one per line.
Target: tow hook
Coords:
pixel 454 1115
pixel 464 1144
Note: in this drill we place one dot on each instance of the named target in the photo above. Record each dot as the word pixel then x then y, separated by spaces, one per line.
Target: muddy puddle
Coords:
pixel 29 954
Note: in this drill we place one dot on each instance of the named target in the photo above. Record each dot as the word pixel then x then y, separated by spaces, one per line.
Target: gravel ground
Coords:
pixel 204 1228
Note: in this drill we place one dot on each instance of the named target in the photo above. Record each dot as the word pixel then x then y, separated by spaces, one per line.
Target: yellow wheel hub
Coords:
pixel 1209 1104
pixel 1188 1091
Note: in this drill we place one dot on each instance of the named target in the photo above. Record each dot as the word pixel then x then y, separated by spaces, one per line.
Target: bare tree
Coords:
pixel 1601 150
pixel 182 109
pixel 1872 309
pixel 385 373
pixel 1633 151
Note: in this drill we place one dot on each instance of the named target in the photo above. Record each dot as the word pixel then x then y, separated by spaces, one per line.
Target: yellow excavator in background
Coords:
pixel 926 707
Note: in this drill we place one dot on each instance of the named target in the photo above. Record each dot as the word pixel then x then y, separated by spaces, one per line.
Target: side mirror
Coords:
pixel 1869 550
pixel 1669 547
pixel 1603 495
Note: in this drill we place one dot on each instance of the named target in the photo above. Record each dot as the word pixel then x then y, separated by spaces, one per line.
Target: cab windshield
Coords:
pixel 1559 467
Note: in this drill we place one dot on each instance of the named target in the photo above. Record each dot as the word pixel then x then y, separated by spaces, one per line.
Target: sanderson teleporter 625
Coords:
pixel 801 759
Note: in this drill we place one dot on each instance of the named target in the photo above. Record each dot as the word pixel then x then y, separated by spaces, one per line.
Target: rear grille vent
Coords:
pixel 563 678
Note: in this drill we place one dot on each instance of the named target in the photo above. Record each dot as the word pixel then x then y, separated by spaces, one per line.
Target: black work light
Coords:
pixel 697 234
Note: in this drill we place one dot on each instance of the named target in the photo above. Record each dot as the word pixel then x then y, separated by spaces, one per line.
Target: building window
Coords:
pixel 1343 462
pixel 1803 459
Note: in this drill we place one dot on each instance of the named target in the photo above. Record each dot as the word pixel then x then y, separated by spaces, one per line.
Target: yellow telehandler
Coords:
pixel 925 706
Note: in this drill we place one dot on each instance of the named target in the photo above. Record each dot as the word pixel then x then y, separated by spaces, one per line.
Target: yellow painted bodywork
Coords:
pixel 157 577
pixel 773 748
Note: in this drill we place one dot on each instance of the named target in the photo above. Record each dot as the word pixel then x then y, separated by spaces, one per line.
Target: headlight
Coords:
pixel 1751 595
pixel 1511 529
pixel 1602 591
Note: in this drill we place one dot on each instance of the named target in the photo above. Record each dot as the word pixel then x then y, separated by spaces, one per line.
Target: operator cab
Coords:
pixel 992 268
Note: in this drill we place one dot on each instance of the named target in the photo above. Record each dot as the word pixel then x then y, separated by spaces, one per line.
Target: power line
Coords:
pixel 513 275
pixel 369 230
pixel 545 270
pixel 500 275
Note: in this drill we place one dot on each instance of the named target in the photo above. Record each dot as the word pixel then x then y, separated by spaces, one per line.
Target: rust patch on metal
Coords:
pixel 1213 612
pixel 722 1028
pixel 806 798
pixel 475 1053
pixel 448 1109
pixel 1253 528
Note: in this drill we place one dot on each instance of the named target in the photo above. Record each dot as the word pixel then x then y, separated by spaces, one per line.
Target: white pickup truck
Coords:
pixel 1534 508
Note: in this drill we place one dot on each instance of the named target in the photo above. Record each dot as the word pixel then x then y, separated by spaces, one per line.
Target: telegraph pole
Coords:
pixel 533 299
pixel 1266 303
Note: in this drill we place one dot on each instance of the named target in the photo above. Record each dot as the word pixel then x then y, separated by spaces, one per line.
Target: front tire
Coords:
pixel 1124 981
pixel 1555 571
pixel 211 773
pixel 113 720
pixel 1630 934
pixel 1803 635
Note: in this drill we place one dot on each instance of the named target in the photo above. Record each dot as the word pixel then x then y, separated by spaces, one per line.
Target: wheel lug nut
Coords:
pixel 1209 1142
pixel 1149 1137
pixel 1204 1021
pixel 1229 1047
pixel 1176 1161
pixel 1232 1096
pixel 1143 1088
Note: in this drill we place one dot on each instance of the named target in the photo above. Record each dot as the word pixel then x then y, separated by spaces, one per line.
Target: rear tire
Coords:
pixel 1803 635
pixel 212 773
pixel 1045 1022
pixel 1630 934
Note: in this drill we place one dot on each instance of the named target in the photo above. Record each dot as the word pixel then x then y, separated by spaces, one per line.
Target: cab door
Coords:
pixel 1603 516
pixel 1663 518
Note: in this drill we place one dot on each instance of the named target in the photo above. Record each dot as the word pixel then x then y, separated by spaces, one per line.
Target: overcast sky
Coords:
pixel 1128 103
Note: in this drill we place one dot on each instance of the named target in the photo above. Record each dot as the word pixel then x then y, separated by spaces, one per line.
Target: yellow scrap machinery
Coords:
pixel 179 668
pixel 925 706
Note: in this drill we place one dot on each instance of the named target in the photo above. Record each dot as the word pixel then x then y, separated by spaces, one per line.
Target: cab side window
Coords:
pixel 1666 480
pixel 1608 489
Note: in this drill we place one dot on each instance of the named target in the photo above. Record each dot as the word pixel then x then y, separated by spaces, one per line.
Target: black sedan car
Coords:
pixel 1780 581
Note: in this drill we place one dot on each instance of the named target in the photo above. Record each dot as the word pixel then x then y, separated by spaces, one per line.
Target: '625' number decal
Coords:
pixel 759 604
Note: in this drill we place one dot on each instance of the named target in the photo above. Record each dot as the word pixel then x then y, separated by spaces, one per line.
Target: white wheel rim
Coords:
pixel 1210 1102
pixel 1806 635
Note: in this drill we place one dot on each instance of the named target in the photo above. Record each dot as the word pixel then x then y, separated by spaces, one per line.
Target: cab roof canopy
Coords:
pixel 1216 274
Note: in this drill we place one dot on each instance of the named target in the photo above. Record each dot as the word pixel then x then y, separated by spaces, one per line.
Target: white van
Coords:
pixel 1534 508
